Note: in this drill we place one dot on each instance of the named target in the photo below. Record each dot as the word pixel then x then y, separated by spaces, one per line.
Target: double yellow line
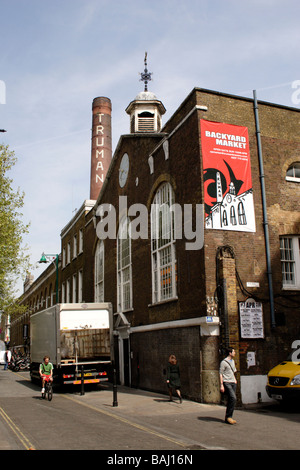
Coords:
pixel 22 438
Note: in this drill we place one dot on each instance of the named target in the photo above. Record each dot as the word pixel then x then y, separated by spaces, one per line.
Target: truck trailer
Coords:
pixel 78 338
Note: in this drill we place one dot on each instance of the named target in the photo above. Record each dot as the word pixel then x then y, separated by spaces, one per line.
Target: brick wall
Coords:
pixel 150 353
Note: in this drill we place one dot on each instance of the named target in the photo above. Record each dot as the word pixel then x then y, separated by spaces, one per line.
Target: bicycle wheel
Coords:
pixel 50 393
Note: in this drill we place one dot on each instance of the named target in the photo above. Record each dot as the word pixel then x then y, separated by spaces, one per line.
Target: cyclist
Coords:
pixel 46 368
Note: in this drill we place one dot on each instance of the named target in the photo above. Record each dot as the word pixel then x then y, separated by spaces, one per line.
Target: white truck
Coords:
pixel 78 338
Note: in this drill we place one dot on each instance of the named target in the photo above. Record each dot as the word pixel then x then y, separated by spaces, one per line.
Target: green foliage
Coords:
pixel 13 258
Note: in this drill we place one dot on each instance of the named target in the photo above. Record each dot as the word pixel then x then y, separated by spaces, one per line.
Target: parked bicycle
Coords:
pixel 19 362
pixel 23 363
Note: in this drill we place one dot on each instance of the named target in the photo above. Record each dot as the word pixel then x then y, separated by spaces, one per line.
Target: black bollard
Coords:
pixel 82 381
pixel 115 399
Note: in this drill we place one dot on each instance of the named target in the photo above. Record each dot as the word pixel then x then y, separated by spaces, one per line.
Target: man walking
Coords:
pixel 7 358
pixel 228 383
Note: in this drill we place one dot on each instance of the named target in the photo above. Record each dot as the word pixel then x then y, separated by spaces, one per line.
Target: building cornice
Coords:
pixel 87 205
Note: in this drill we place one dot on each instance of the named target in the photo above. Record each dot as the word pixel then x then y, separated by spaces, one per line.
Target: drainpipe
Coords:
pixel 225 307
pixel 265 217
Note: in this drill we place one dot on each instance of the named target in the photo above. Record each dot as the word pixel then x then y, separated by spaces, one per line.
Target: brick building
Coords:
pixel 194 237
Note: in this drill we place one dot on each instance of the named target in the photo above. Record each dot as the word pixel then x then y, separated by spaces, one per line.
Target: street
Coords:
pixel 142 421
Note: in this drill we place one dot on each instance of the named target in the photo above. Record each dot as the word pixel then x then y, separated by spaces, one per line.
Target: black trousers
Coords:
pixel 230 390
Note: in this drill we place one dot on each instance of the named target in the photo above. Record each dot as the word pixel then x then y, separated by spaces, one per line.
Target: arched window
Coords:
pixel 124 278
pixel 232 216
pixel 224 219
pixel 50 295
pixel 46 299
pixel 241 214
pixel 99 272
pixel 41 303
pixel 163 254
pixel 293 172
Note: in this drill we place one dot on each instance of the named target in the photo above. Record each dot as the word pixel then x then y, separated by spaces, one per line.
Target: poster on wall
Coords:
pixel 251 319
pixel 228 192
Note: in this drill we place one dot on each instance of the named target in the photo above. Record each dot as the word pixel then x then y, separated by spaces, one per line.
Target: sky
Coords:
pixel 57 56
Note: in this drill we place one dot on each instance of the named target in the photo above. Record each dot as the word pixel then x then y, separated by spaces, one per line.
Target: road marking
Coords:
pixel 127 421
pixel 131 423
pixel 25 442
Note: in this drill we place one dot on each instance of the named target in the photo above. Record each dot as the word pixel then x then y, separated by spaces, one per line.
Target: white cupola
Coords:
pixel 145 110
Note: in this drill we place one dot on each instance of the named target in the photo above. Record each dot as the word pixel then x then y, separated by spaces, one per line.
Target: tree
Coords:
pixel 14 260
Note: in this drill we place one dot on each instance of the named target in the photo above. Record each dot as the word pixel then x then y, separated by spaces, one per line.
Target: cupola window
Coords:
pixel 146 122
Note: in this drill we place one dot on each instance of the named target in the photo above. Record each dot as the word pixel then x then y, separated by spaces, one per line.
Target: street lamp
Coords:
pixel 46 258
pixel 3 130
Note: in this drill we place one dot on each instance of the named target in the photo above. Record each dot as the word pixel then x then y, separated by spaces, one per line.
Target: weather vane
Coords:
pixel 145 76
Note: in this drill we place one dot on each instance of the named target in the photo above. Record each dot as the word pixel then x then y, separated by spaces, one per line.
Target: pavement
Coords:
pixel 199 426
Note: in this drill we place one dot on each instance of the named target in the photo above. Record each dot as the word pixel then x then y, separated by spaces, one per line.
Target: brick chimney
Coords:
pixel 101 144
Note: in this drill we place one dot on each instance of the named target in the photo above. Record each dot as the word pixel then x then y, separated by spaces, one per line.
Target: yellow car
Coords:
pixel 284 381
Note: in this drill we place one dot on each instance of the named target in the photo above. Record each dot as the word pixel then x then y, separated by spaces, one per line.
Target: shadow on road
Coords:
pixel 210 419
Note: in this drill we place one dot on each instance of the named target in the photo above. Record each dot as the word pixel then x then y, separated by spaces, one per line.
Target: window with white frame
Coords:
pixel 68 292
pixel 80 286
pixel 290 261
pixel 99 272
pixel 64 257
pixel 163 253
pixel 124 277
pixel 74 246
pixel 293 172
pixel 74 288
pixel 80 247
pixel 63 292
pixel 68 253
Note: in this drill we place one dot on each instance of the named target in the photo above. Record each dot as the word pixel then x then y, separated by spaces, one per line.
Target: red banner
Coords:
pixel 228 195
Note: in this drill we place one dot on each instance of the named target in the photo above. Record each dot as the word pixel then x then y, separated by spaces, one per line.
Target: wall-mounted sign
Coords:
pixel 251 319
pixel 252 284
pixel 228 194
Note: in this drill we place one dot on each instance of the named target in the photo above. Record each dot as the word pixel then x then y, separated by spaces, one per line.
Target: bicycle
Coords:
pixel 48 388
